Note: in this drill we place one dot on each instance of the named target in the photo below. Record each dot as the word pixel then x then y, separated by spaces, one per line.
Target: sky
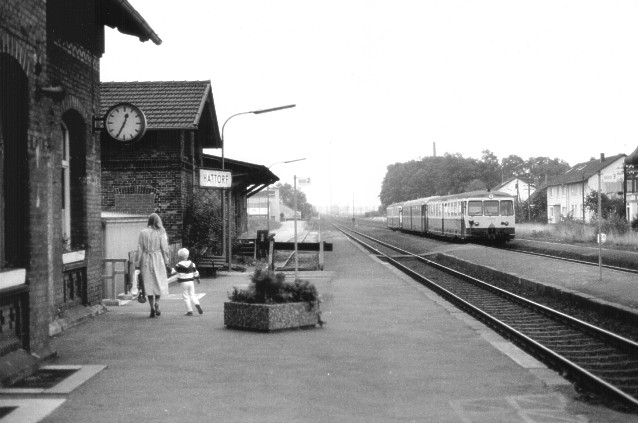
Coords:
pixel 376 82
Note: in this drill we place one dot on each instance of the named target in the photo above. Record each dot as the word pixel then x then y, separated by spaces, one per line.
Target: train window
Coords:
pixel 474 208
pixel 507 208
pixel 491 208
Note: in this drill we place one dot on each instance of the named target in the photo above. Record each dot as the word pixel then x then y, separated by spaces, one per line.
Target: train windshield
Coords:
pixel 491 208
pixel 507 208
pixel 474 208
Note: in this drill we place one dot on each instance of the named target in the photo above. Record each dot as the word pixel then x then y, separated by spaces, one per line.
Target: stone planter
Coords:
pixel 270 317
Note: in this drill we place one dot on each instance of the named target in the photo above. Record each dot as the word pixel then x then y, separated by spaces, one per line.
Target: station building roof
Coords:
pixel 120 15
pixel 169 105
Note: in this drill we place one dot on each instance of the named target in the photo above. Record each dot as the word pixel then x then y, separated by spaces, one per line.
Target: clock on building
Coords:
pixel 125 122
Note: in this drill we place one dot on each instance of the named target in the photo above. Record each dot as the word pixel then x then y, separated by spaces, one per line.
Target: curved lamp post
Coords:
pixel 228 226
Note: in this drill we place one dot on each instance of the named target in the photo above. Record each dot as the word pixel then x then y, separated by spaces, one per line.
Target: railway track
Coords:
pixel 525 250
pixel 596 359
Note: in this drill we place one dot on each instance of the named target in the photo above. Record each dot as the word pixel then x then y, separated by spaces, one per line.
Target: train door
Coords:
pixel 400 217
pixel 463 205
pixel 443 210
pixel 424 218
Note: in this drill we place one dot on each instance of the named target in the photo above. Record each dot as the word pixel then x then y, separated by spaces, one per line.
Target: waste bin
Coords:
pixel 262 244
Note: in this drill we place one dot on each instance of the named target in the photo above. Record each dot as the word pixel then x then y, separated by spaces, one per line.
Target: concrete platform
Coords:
pixel 391 351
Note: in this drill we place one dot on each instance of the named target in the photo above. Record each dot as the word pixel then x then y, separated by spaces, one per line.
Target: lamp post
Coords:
pixel 268 191
pixel 227 227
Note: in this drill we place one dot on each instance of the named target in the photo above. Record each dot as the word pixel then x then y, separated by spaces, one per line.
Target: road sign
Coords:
pixel 215 178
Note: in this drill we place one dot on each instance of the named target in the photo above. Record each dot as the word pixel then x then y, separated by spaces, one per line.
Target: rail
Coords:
pixel 597 359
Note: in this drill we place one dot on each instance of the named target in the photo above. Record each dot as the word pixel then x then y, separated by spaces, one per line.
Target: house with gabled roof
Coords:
pixel 160 172
pixel 631 186
pixel 566 193
pixel 517 187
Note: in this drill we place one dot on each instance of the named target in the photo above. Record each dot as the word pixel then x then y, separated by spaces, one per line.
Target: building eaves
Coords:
pixel 121 15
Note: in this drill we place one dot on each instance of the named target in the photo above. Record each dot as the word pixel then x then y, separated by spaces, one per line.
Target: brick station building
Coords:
pixel 50 224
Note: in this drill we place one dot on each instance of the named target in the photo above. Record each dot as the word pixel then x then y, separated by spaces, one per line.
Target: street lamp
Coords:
pixel 268 191
pixel 228 226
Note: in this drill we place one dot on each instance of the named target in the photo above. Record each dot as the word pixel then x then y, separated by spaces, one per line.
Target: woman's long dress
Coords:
pixel 152 256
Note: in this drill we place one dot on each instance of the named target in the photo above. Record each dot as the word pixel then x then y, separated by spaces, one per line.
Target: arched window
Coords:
pixel 14 166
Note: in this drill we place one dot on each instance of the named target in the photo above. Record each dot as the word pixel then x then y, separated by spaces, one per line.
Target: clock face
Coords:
pixel 125 122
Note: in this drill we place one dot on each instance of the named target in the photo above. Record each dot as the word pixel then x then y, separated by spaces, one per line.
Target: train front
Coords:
pixel 491 218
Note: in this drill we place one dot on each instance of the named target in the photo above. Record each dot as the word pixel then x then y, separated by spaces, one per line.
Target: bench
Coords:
pixel 213 263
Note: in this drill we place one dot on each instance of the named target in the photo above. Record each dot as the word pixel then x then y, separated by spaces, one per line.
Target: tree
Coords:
pixel 536 207
pixel 287 195
pixel 609 206
pixel 490 169
pixel 512 165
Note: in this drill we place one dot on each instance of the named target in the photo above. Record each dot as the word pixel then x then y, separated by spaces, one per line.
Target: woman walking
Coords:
pixel 151 259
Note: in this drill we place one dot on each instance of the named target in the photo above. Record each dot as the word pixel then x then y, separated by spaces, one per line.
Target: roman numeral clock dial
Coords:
pixel 125 122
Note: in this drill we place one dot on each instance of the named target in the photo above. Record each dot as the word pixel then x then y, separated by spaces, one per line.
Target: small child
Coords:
pixel 186 273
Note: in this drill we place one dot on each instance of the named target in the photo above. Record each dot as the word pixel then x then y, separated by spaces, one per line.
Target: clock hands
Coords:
pixel 123 125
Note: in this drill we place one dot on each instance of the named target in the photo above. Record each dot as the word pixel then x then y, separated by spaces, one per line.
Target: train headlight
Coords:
pixel 505 223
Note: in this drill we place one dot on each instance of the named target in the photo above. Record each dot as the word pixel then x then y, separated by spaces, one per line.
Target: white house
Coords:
pixel 566 193
pixel 517 187
pixel 264 203
pixel 631 176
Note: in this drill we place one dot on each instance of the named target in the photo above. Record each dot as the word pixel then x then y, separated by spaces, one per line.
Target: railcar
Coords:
pixel 487 215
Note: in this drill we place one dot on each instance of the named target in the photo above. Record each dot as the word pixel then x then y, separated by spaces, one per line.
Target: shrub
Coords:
pixel 203 227
pixel 268 287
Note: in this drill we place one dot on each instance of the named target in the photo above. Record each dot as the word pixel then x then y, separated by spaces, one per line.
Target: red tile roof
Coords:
pixel 166 104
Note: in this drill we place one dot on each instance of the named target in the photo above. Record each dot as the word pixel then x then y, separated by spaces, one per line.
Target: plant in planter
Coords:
pixel 270 303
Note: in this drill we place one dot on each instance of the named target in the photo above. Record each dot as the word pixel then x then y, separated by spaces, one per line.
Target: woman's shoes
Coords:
pixel 158 313
pixel 152 313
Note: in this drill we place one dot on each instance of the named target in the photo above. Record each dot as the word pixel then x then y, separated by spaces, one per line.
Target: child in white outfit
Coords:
pixel 186 274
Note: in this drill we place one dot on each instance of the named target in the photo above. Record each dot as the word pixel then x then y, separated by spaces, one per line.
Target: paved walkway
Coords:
pixel 391 352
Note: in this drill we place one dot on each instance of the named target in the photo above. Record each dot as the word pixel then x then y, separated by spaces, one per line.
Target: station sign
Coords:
pixel 215 178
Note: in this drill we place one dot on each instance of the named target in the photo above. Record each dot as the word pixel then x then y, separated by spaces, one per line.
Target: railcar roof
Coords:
pixel 471 194
pixel 475 194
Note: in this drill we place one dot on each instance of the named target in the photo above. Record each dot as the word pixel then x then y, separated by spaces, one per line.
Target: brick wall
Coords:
pixel 157 166
pixel 47 61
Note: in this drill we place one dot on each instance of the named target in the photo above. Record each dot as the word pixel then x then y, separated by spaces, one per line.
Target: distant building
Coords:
pixel 517 187
pixel 631 185
pixel 566 193
pixel 264 203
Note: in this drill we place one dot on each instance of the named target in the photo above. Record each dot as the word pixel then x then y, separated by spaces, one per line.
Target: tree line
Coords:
pixel 454 174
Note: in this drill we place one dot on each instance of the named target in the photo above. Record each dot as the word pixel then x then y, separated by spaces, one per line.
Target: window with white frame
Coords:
pixel 66 186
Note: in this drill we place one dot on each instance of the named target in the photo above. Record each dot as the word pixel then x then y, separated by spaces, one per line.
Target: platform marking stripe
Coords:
pixel 29 410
